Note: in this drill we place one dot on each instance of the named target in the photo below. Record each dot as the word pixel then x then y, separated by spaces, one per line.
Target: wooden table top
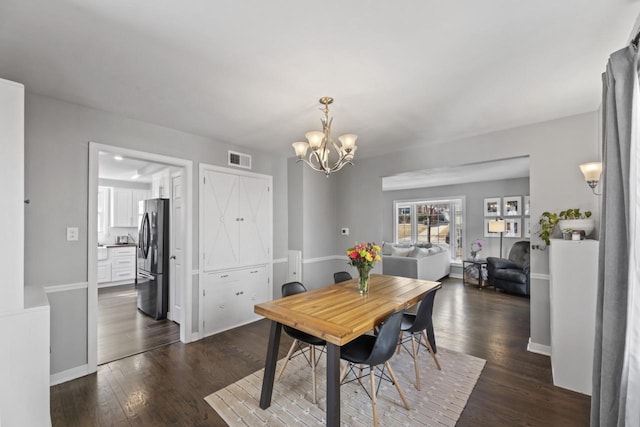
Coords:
pixel 339 314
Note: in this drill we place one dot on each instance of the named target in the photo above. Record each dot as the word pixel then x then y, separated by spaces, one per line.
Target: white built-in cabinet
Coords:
pixel 124 206
pixel 161 184
pixel 573 272
pixel 118 268
pixel 231 295
pixel 237 220
pixel 236 240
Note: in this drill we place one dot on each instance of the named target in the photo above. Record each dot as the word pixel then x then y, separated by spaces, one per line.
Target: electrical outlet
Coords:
pixel 344 231
pixel 72 233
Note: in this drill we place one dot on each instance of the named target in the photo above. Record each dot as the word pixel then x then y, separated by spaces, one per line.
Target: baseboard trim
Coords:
pixel 68 375
pixel 455 275
pixel 533 347
pixel 195 336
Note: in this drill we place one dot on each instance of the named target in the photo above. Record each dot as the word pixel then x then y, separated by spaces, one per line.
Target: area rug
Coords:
pixel 443 396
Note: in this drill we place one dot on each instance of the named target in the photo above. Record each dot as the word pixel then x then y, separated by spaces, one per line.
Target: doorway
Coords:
pixel 116 328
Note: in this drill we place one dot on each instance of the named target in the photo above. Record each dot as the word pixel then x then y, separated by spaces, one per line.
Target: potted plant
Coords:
pixel 570 219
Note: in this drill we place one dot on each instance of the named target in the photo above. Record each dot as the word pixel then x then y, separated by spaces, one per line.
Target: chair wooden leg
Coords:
pixel 343 372
pixel 399 343
pixel 286 360
pixel 395 381
pixel 431 352
pixel 313 370
pixel 415 361
pixel 373 397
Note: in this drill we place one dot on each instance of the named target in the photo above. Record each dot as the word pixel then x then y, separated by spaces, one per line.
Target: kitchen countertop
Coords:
pixel 115 245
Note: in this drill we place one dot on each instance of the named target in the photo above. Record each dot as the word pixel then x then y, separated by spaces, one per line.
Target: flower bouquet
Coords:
pixel 364 257
pixel 476 247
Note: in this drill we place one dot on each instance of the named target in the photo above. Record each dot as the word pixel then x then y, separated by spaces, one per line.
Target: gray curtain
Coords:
pixel 615 390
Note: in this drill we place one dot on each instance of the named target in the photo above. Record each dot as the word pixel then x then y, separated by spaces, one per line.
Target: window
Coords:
pixel 431 221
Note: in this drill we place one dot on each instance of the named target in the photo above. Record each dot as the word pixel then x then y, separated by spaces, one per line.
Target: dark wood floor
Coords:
pixel 123 330
pixel 166 386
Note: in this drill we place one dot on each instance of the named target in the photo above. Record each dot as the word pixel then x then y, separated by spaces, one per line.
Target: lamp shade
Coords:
pixel 348 141
pixel 497 226
pixel 315 138
pixel 591 171
pixel 300 148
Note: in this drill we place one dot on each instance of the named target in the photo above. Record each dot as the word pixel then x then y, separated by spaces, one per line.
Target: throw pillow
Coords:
pixel 386 248
pixel 400 251
pixel 424 245
pixel 420 253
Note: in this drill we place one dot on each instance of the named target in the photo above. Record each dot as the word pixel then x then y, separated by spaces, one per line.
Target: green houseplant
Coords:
pixel 568 220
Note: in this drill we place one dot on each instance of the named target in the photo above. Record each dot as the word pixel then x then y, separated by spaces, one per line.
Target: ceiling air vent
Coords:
pixel 239 159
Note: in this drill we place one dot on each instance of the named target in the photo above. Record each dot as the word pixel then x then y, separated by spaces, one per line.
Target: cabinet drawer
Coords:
pixel 128 262
pixel 128 251
pixel 126 274
pixel 240 275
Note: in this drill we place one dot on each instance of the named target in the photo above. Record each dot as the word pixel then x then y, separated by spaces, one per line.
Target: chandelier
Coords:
pixel 324 150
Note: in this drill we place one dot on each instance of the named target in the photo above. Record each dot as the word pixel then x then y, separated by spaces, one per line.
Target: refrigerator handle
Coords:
pixel 146 232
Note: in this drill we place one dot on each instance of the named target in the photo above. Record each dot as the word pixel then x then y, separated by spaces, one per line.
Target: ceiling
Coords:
pixel 121 168
pixel 250 72
pixel 517 167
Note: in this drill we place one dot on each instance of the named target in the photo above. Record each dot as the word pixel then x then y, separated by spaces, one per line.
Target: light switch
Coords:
pixel 72 233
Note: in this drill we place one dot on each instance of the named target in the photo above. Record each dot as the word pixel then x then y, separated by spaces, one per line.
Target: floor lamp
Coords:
pixel 498 226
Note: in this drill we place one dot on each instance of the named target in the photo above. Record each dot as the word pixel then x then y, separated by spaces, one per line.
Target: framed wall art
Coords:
pixel 512 206
pixel 527 227
pixel 527 207
pixel 492 206
pixel 513 227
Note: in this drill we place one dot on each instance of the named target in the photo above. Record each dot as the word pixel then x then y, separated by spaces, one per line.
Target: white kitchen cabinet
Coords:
pixel 236 219
pixel 104 271
pixel 119 268
pixel 124 206
pixel 229 297
pixel 573 271
pixel 161 184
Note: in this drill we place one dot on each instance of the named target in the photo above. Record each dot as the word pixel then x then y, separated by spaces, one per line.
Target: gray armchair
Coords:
pixel 511 275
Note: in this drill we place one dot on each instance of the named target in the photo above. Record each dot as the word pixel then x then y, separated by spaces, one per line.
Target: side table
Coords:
pixel 479 264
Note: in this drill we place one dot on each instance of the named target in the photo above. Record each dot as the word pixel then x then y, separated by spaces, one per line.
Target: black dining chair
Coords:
pixel 300 338
pixel 420 325
pixel 341 276
pixel 371 351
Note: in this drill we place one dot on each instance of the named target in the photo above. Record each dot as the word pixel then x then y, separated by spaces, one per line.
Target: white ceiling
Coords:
pixel 120 168
pixel 250 72
pixel 477 172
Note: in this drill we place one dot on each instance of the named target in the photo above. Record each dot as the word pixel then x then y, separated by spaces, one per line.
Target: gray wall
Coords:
pixel 57 138
pixel 474 194
pixel 555 148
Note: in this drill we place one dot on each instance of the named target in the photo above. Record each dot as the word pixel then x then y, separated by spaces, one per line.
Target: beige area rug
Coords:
pixel 443 396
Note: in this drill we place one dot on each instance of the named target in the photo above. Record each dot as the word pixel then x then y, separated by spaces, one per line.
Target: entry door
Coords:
pixel 176 266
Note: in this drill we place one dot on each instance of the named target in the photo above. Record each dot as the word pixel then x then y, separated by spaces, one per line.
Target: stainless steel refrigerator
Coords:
pixel 153 258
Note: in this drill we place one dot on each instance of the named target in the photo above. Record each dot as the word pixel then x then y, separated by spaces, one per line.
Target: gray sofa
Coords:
pixel 426 263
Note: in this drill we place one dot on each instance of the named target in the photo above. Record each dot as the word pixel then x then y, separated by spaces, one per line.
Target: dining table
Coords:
pixel 338 314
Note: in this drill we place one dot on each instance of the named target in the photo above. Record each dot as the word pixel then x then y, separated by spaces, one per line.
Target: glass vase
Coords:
pixel 363 280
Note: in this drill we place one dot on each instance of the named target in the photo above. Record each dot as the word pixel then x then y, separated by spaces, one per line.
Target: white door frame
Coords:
pixel 92 242
pixel 172 266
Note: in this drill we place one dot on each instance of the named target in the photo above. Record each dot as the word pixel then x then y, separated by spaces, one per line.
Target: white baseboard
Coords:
pixel 68 375
pixel 533 347
pixel 195 336
pixel 455 275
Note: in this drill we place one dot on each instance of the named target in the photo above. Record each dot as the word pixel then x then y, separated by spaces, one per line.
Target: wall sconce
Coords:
pixel 591 172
